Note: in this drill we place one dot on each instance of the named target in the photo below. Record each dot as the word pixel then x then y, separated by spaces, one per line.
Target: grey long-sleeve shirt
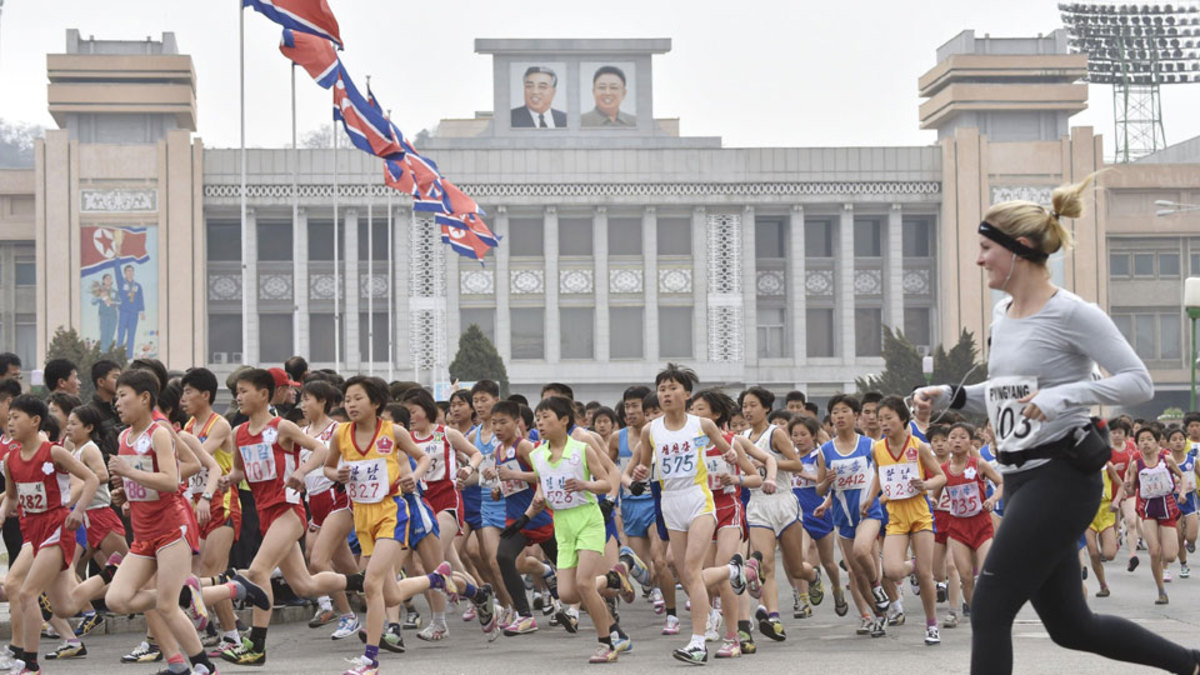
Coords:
pixel 1060 346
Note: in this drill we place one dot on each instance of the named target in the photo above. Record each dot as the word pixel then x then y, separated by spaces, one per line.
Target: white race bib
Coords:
pixel 1155 482
pixel 259 461
pixel 489 462
pixel 1014 431
pixel 852 473
pixel 717 466
pixel 964 499
pixel 896 479
pixel 32 497
pixel 678 460
pixel 134 491
pixel 512 487
pixel 368 482
pixel 1189 482
pixel 198 482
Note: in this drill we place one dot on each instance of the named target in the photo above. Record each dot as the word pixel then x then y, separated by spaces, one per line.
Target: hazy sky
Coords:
pixel 756 72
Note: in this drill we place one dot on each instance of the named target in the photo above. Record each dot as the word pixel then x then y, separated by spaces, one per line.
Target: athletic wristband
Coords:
pixel 958 397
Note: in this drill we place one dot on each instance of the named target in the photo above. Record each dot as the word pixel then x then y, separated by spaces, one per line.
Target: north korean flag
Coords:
pixel 367 128
pixel 314 54
pixel 464 242
pixel 105 247
pixel 306 16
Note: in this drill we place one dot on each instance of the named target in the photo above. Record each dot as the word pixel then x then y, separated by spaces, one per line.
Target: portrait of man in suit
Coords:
pixel 540 84
pixel 608 91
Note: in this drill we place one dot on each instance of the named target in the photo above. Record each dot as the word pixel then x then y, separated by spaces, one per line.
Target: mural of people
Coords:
pixel 106 300
pixel 118 278
pixel 133 308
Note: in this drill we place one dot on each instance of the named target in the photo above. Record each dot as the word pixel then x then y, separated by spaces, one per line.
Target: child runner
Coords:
pixel 1124 453
pixel 1101 535
pixel 944 571
pixel 493 511
pixel 970 526
pixel 1185 457
pixel 817 521
pixel 1156 479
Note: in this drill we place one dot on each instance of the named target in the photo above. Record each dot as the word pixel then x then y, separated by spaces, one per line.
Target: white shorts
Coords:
pixel 681 507
pixel 775 512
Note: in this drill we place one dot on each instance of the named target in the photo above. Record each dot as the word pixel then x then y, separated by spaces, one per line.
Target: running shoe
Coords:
pixel 622 644
pixel 915 582
pixel 637 568
pixel 347 625
pixel 537 600
pixel 773 628
pixel 393 639
pixel 412 619
pixel 730 649
pixel 448 586
pixel 433 633
pixel 1162 598
pixel 738 578
pixel 1133 563
pixel 753 583
pixel 712 629
pixel 816 589
pixel 746 642
pixel 1166 576
pixel 932 636
pixel 255 595
pixel 321 617
pixel 1190 546
pixel 1103 592
pixel 796 604
pixel 603 654
pixel 942 591
pixel 803 612
pixel 840 606
pixel 864 628
pixel 143 653
pixel 657 601
pixel 223 646
pixel 192 601
pixel 44 606
pixel 362 666
pixel 625 590
pixel 566 619
pixel 951 620
pixel 48 631
pixel 895 615
pixel 522 626
pixel 509 616
pixel 692 655
pixel 90 623
pixel 470 614
pixel 879 627
pixel 611 605
pixel 8 660
pixel 672 625
pixel 882 602
pixel 67 650
pixel 485 606
pixel 209 640
pixel 245 655
pixel 1184 571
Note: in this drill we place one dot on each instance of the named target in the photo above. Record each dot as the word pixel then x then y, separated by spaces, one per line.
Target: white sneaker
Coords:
pixel 932 637
pixel 347 625
pixel 712 632
pixel 672 626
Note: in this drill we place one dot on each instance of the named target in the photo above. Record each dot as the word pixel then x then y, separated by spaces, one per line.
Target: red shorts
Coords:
pixel 537 535
pixel 47 530
pixel 268 515
pixel 941 526
pixel 219 516
pixel 729 514
pixel 149 548
pixel 102 521
pixel 443 496
pixel 324 503
pixel 973 531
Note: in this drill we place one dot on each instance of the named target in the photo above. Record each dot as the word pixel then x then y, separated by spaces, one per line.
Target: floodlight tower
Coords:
pixel 1136 49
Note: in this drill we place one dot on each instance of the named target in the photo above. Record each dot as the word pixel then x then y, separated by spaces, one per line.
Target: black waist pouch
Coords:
pixel 1088 449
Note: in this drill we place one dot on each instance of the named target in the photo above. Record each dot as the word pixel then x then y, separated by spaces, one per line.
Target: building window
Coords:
pixel 26 273
pixel 575 236
pixel 818 238
pixel 917 326
pixel 377 329
pixel 274 241
pixel 577 332
pixel 674 236
pixel 675 332
pixel 525 236
pixel 818 326
pixel 528 333
pixel 918 237
pixel 1168 265
pixel 1118 265
pixel 485 318
pixel 320 241
pixel 625 327
pixel 225 338
pixel 1155 336
pixel 1195 264
pixel 772 333
pixel 1143 264
pixel 224 240
pixel 868 238
pixel 379 239
pixel 275 338
pixel 770 238
pixel 624 236
pixel 321 331
pixel 26 338
pixel 868 331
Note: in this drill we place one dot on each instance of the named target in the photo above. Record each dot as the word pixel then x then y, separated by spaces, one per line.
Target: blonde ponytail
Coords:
pixel 1041 226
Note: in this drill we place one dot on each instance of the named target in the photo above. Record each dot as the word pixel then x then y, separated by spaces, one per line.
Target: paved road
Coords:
pixel 824 642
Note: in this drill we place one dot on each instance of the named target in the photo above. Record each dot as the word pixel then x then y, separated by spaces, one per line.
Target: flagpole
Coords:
pixel 391 300
pixel 247 282
pixel 296 321
pixel 337 279
pixel 370 287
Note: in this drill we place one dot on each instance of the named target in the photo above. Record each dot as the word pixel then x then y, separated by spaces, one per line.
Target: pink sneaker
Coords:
pixel 753 583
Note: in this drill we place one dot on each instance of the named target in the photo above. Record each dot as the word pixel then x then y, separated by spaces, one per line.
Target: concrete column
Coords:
pixel 749 288
pixel 844 272
pixel 797 292
pixel 893 271
pixel 600 253
pixel 250 353
pixel 650 290
pixel 300 323
pixel 550 244
pixel 350 308
pixel 699 283
pixel 503 315
pixel 402 223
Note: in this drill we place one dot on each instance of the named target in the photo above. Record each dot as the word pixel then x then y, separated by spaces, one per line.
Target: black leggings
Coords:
pixel 1035 558
pixel 506 555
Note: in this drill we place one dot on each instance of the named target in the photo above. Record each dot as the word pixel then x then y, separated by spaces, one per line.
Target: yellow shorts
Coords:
pixel 1104 518
pixel 906 516
pixel 407 519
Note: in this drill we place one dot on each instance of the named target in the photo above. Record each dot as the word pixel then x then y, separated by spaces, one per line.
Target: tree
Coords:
pixel 477 359
pixel 67 344
pixel 953 367
pixel 16 144
pixel 903 371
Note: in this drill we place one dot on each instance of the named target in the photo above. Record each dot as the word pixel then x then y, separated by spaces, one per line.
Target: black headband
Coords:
pixel 1012 244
